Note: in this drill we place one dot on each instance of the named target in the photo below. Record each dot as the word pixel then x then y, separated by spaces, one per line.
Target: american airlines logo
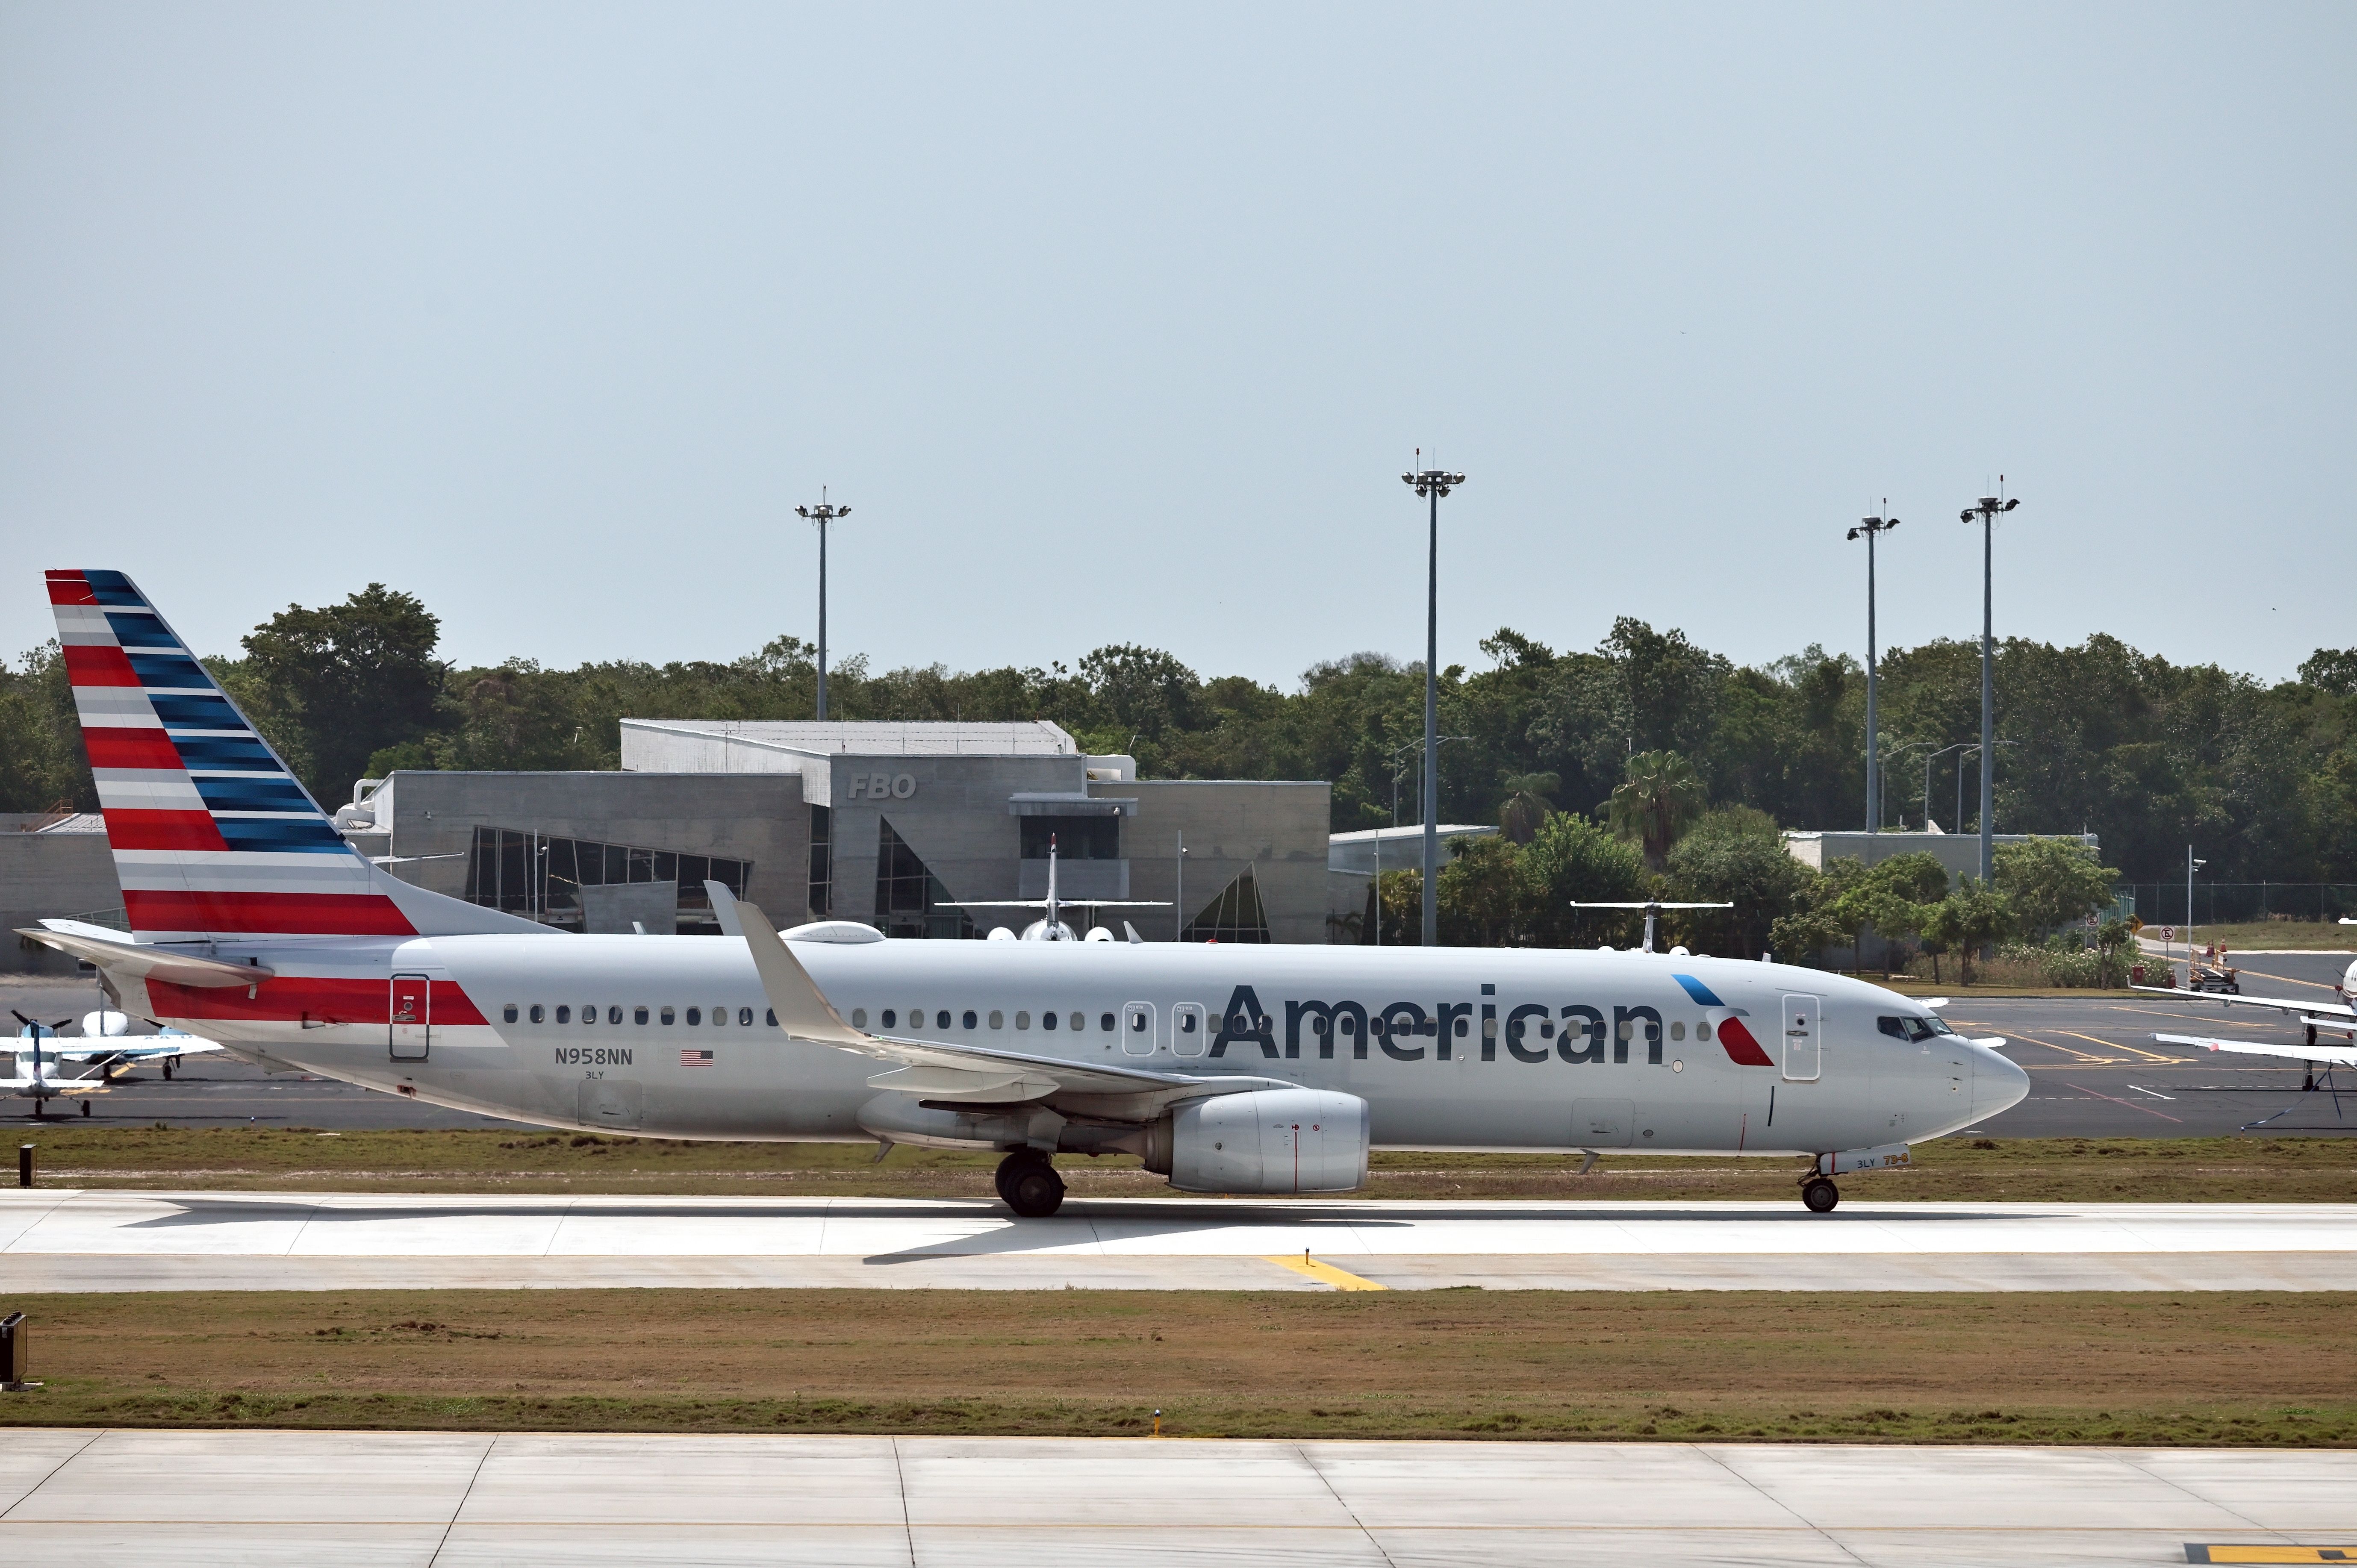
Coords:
pixel 1405 1031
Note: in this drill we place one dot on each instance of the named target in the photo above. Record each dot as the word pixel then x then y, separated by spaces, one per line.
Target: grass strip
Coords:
pixel 2232 1368
pixel 2160 1170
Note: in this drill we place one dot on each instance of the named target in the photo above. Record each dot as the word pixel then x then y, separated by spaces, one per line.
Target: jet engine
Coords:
pixel 1270 1139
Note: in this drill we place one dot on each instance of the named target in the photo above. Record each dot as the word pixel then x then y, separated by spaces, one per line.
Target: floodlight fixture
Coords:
pixel 1872 527
pixel 1987 509
pixel 824 513
pixel 1431 485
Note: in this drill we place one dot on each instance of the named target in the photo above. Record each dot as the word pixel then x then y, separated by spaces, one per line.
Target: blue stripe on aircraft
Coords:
pixel 1701 993
pixel 170 669
pixel 112 588
pixel 225 754
pixel 141 632
pixel 206 711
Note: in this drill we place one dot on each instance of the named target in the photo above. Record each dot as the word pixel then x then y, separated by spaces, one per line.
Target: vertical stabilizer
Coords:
pixel 212 835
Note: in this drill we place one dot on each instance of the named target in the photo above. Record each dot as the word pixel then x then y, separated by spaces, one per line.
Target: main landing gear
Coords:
pixel 1819 1193
pixel 1029 1184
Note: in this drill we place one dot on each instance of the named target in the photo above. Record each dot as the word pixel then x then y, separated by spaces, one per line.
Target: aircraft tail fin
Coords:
pixel 212 835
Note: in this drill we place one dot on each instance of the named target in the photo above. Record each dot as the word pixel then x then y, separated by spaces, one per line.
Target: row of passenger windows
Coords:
pixel 1186 1018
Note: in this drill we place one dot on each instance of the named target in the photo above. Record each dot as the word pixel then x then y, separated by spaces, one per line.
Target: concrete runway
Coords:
pixel 2096 1071
pixel 130 1240
pixel 409 1500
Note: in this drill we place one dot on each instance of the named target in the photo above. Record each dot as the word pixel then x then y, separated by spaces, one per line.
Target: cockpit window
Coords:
pixel 1912 1029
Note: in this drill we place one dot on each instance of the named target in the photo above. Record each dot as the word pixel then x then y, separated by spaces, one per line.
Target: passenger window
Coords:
pixel 744 1017
pixel 1079 1021
pixel 1678 1031
pixel 1137 1019
pixel 890 1017
pixel 666 1018
pixel 1105 1022
pixel 1628 1028
pixel 1022 1020
pixel 859 1017
pixel 1547 1028
pixel 1046 1020
pixel 695 1016
pixel 970 1019
pixel 637 1016
pixel 563 1014
pixel 719 1017
pixel 508 1015
pixel 1186 1021
pixel 1702 1031
pixel 998 1019
pixel 538 1011
pixel 772 1015
pixel 941 1019
pixel 1463 1026
pixel 614 1014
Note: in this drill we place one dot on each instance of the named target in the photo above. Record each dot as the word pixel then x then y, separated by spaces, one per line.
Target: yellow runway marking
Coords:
pixel 2110 1045
pixel 2200 1552
pixel 1325 1273
pixel 2066 1051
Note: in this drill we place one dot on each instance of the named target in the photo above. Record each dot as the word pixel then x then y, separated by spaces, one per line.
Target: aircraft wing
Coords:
pixel 55 1085
pixel 937 1069
pixel 2342 1010
pixel 1042 903
pixel 138 1049
pixel 2339 1056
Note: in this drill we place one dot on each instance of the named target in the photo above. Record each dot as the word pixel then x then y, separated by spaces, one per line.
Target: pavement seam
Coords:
pixel 45 1480
pixel 63 1197
pixel 2142 1469
pixel 452 1523
pixel 900 1478
pixel 1302 1450
pixel 1770 1497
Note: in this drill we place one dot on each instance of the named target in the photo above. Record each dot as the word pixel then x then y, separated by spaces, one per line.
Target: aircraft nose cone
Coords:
pixel 1998 1084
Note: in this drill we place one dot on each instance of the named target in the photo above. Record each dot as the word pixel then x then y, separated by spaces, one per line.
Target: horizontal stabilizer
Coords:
pixel 118 954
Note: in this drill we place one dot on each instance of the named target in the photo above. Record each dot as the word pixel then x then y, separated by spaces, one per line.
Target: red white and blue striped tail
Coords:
pixel 212 836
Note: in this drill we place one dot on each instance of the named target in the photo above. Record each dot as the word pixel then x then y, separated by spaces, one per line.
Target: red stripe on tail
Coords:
pixel 123 745
pixel 90 664
pixel 303 914
pixel 163 830
pixel 70 588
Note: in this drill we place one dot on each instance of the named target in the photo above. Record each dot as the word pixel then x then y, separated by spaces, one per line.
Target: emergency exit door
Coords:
pixel 413 1017
pixel 1803 1032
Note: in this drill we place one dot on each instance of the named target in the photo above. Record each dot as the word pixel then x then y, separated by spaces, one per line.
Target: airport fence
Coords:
pixel 2236 903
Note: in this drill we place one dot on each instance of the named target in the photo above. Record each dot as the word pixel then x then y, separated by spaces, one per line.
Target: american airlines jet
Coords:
pixel 1229 1069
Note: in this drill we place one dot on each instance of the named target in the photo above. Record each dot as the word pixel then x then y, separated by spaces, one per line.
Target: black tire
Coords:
pixel 1034 1190
pixel 1009 1166
pixel 1821 1196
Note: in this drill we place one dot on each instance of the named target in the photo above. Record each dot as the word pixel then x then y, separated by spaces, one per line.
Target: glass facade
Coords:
pixel 541 877
pixel 822 863
pixel 1235 916
pixel 1077 838
pixel 907 892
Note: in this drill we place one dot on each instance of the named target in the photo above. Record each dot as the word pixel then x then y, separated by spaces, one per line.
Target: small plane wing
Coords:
pixel 937 1069
pixel 2347 1013
pixel 1042 903
pixel 54 1085
pixel 118 954
pixel 138 1049
pixel 2339 1056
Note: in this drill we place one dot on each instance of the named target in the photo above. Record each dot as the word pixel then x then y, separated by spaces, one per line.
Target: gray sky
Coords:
pixel 1119 323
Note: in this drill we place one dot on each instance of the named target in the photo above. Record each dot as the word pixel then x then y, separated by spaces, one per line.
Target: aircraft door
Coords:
pixel 1137 1028
pixel 413 1017
pixel 1803 1032
pixel 1188 1034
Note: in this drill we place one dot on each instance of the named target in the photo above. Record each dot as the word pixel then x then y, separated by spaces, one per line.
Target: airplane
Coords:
pixel 166 1048
pixel 2340 1017
pixel 1051 926
pixel 99 1065
pixel 33 1078
pixel 1239 1069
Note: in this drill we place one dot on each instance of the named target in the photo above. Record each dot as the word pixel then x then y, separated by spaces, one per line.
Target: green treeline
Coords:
pixel 2148 754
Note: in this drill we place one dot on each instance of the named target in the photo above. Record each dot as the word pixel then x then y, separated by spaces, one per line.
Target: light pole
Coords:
pixel 821 514
pixel 1871 527
pixel 1960 783
pixel 1930 758
pixel 2190 863
pixel 1986 509
pixel 1431 483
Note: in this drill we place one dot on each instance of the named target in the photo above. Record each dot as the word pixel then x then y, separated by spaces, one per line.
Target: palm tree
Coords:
pixel 1527 807
pixel 1661 796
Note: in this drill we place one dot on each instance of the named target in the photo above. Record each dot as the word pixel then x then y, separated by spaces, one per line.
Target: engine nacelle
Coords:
pixel 1273 1140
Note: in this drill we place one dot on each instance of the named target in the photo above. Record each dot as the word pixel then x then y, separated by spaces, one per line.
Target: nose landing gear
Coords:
pixel 1029 1184
pixel 1819 1193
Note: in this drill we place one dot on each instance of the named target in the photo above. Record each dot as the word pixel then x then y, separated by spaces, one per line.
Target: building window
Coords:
pixel 1235 916
pixel 1077 838
pixel 908 895
pixel 541 877
pixel 821 863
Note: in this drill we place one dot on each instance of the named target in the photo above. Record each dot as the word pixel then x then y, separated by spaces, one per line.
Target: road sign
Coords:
pixel 2136 924
pixel 2169 933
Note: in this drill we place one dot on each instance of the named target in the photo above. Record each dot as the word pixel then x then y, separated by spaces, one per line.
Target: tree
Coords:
pixel 2053 883
pixel 43 766
pixel 1736 854
pixel 1969 918
pixel 335 685
pixel 1896 895
pixel 1573 859
pixel 1527 807
pixel 1660 795
pixel 1486 897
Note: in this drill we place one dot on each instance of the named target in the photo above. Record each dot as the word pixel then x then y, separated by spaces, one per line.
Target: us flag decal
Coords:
pixel 695 1058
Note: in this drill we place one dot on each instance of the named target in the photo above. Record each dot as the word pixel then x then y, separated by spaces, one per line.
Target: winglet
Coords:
pixel 802 1008
pixel 724 908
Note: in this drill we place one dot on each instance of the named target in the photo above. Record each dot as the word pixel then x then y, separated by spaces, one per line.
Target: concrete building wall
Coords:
pixel 49 877
pixel 1277 829
pixel 1960 853
pixel 953 811
pixel 756 817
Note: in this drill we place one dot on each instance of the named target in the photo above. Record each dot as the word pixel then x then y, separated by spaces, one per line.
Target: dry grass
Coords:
pixel 2174 1170
pixel 2200 1369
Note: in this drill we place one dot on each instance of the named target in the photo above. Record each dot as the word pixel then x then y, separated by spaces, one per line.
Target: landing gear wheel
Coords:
pixel 1034 1190
pixel 1009 1166
pixel 1821 1196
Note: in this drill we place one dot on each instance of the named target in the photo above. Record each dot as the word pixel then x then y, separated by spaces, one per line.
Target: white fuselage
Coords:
pixel 1493 1067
